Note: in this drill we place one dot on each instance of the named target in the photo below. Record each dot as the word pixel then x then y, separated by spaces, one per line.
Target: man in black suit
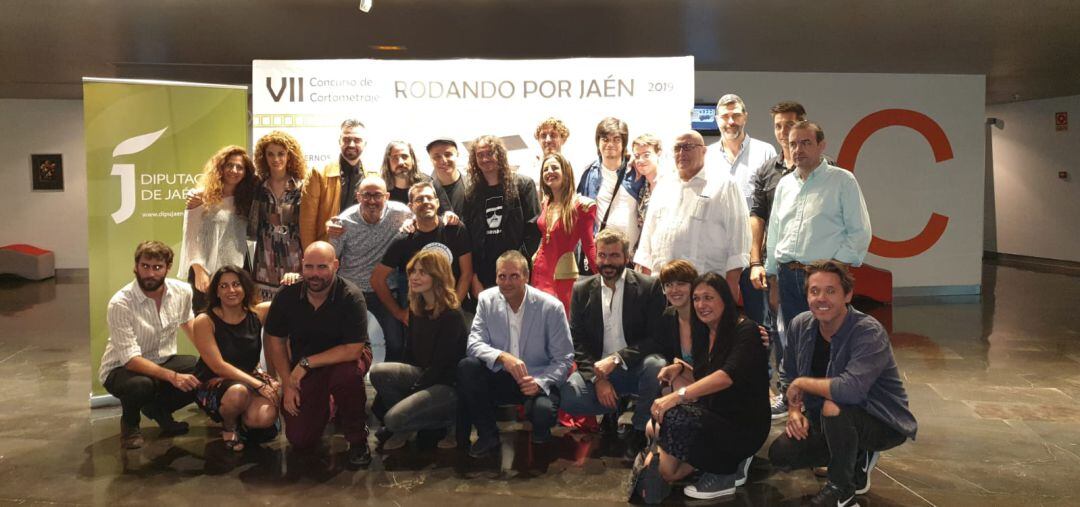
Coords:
pixel 614 320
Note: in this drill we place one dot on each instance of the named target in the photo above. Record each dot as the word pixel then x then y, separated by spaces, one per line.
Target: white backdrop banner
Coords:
pixel 417 101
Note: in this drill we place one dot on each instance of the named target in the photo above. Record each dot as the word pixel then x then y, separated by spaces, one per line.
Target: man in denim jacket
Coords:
pixel 840 368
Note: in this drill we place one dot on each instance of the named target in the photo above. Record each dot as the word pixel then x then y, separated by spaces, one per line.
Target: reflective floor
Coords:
pixel 995 385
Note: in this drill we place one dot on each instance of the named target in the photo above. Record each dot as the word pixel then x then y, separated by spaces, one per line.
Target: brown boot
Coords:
pixel 130 438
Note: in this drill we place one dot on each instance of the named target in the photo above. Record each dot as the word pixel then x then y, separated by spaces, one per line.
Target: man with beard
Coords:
pixel 400 173
pixel 430 233
pixel 614 321
pixel 140 365
pixel 737 154
pixel 366 232
pixel 328 191
pixel 316 340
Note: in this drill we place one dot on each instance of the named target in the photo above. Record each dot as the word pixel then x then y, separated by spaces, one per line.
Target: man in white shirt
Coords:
pixel 698 215
pixel 736 153
pixel 614 321
pixel 140 365
pixel 519 351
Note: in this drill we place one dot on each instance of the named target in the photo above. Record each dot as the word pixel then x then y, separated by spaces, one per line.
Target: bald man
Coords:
pixel 324 322
pixel 698 215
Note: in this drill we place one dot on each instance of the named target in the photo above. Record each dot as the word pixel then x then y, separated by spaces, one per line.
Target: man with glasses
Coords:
pixel 140 365
pixel 699 216
pixel 328 191
pixel 430 232
pixel 366 231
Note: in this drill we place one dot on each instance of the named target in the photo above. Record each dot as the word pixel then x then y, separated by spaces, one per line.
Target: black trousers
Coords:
pixel 835 442
pixel 481 390
pixel 158 399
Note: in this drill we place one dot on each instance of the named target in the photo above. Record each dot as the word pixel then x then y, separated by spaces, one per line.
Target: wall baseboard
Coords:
pixel 1040 264
pixel 103 400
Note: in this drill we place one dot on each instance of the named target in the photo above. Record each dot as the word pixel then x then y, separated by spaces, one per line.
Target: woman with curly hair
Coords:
pixel 418 393
pixel 566 220
pixel 274 222
pixel 215 221
pixel 499 205
pixel 232 390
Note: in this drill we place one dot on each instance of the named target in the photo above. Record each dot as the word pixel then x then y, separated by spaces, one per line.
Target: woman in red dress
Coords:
pixel 565 220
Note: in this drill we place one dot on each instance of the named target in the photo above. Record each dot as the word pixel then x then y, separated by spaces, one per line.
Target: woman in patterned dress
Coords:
pixel 274 221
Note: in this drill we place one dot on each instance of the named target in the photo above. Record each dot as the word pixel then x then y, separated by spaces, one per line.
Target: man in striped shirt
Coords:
pixel 140 365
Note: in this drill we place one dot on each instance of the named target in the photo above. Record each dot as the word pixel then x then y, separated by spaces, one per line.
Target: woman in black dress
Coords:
pixel 718 422
pixel 677 280
pixel 229 338
pixel 418 393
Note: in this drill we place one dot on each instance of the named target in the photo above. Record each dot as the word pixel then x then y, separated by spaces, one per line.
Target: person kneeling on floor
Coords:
pixel 840 368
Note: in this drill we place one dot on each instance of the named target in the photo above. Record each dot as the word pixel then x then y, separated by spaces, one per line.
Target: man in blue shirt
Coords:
pixel 840 369
pixel 818 212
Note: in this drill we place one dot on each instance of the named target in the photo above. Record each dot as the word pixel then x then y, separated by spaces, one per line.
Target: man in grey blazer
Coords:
pixel 614 320
pixel 519 351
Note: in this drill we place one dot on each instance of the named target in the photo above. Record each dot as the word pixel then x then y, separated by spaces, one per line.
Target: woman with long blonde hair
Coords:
pixel 274 222
pixel 417 394
pixel 215 221
pixel 566 220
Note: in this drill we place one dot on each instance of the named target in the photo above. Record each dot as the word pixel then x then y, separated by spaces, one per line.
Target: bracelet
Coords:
pixel 756 263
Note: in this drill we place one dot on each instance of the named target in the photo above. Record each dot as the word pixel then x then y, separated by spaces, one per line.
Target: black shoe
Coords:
pixel 484 446
pixel 382 435
pixel 130 438
pixel 609 426
pixel 863 466
pixel 635 442
pixel 743 471
pixel 359 455
pixel 832 496
pixel 171 427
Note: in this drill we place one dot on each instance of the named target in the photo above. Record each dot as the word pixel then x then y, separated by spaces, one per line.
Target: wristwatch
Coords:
pixel 305 364
pixel 682 394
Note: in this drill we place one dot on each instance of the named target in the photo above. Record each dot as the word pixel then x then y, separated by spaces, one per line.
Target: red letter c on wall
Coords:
pixel 939 143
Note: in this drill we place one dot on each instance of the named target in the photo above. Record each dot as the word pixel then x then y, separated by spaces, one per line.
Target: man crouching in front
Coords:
pixel 324 321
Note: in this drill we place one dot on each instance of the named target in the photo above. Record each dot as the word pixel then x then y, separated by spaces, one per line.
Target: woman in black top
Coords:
pixel 418 394
pixel 719 421
pixel 677 279
pixel 232 390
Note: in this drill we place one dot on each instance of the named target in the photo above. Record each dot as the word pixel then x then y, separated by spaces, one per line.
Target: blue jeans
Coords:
pixel 393 331
pixel 756 306
pixel 792 284
pixel 579 395
pixel 482 390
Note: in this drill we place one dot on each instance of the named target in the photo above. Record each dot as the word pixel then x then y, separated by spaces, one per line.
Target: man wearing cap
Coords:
pixel 448 181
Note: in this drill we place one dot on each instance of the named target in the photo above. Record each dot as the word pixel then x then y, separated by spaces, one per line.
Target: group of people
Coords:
pixel 499 285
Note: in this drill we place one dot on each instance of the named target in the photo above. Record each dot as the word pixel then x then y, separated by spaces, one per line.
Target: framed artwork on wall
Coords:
pixel 47 172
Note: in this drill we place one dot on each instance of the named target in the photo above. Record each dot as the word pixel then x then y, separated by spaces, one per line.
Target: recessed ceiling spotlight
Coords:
pixel 365 5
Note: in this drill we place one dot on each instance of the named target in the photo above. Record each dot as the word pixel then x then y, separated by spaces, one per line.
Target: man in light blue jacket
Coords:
pixel 519 351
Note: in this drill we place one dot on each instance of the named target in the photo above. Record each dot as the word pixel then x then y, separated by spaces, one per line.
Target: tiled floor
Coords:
pixel 995 385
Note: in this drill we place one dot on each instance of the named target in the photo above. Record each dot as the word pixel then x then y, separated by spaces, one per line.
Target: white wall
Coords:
pixel 1037 213
pixel 54 220
pixel 900 180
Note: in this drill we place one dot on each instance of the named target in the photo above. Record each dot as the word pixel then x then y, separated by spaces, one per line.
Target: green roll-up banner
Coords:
pixel 146 142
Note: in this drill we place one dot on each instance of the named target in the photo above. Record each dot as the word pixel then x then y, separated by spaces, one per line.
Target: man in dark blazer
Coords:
pixel 614 322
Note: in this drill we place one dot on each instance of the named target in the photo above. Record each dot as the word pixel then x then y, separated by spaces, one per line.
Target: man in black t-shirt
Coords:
pixel 430 232
pixel 446 176
pixel 316 340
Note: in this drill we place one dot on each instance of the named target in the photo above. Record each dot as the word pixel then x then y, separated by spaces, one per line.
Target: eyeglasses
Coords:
pixel 372 196
pixel 686 147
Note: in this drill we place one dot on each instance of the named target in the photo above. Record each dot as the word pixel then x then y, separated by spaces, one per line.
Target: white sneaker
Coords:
pixel 778 408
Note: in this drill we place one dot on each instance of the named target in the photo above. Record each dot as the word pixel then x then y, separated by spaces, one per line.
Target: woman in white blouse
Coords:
pixel 215 222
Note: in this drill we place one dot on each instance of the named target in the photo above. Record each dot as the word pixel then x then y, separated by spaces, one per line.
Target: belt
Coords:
pixel 794 266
